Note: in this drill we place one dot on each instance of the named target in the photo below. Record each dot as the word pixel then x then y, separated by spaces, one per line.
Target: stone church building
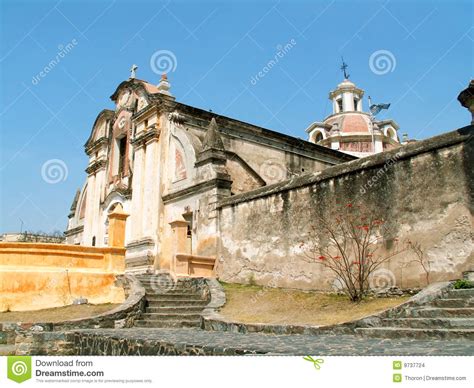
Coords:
pixel 210 194
pixel 168 164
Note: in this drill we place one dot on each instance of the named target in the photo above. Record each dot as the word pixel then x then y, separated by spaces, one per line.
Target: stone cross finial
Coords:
pixel 133 71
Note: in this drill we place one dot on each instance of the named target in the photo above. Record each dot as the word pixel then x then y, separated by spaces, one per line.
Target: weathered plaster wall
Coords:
pixel 243 179
pixel 425 189
pixel 252 158
pixel 273 164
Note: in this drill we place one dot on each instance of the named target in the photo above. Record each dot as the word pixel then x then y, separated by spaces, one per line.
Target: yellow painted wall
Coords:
pixel 37 276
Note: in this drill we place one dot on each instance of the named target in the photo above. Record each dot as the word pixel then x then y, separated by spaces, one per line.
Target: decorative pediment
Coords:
pixel 100 129
pixel 125 98
pixel 133 86
pixel 142 101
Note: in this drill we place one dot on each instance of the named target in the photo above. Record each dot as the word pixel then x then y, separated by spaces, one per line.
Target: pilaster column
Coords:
pixel 97 228
pixel 117 222
pixel 378 145
pixel 88 220
pixel 179 229
pixel 151 190
pixel 137 191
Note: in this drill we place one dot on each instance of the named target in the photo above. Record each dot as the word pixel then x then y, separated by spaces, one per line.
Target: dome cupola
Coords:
pixel 347 97
pixel 348 128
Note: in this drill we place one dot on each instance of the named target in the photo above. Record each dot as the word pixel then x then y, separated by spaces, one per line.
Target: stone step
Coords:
pixel 166 286
pixel 438 312
pixel 170 317
pixel 173 296
pixel 184 286
pixel 176 303
pixel 164 291
pixel 149 275
pixel 429 323
pixel 397 332
pixel 175 323
pixel 164 281
pixel 157 291
pixel 161 279
pixel 466 302
pixel 175 309
pixel 464 293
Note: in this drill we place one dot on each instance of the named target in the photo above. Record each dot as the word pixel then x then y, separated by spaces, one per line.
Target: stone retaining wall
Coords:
pixel 31 338
pixel 423 189
pixel 212 320
pixel 100 345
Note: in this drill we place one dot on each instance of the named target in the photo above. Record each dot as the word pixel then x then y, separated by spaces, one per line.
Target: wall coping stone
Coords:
pixel 67 248
pixel 404 152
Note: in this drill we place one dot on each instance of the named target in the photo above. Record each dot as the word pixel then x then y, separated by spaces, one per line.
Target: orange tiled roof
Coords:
pixel 354 123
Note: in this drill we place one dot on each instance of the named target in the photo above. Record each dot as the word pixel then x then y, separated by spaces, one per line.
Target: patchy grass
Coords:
pixel 56 314
pixel 255 304
pixel 462 284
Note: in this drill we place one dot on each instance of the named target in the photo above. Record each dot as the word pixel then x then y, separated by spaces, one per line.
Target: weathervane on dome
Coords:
pixel 344 66
pixel 133 71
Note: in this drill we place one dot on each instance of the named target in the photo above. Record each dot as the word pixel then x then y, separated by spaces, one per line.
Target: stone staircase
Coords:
pixel 449 317
pixel 171 303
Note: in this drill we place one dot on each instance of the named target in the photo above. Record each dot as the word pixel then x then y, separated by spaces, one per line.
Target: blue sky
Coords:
pixel 216 48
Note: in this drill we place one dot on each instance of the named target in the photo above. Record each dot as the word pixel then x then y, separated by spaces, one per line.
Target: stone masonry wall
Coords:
pixel 424 189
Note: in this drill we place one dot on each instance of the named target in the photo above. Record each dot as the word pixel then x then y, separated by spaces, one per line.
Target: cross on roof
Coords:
pixel 344 66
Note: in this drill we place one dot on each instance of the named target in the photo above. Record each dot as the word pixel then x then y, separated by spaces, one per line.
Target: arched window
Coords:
pixel 318 137
pixel 391 134
pixel 356 102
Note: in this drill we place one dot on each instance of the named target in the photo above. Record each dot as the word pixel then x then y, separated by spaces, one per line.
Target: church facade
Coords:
pixel 169 164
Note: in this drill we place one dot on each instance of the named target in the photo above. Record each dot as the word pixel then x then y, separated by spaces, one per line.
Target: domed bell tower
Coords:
pixel 349 129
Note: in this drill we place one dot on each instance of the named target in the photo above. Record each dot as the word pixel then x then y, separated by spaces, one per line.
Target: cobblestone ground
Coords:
pixel 323 345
